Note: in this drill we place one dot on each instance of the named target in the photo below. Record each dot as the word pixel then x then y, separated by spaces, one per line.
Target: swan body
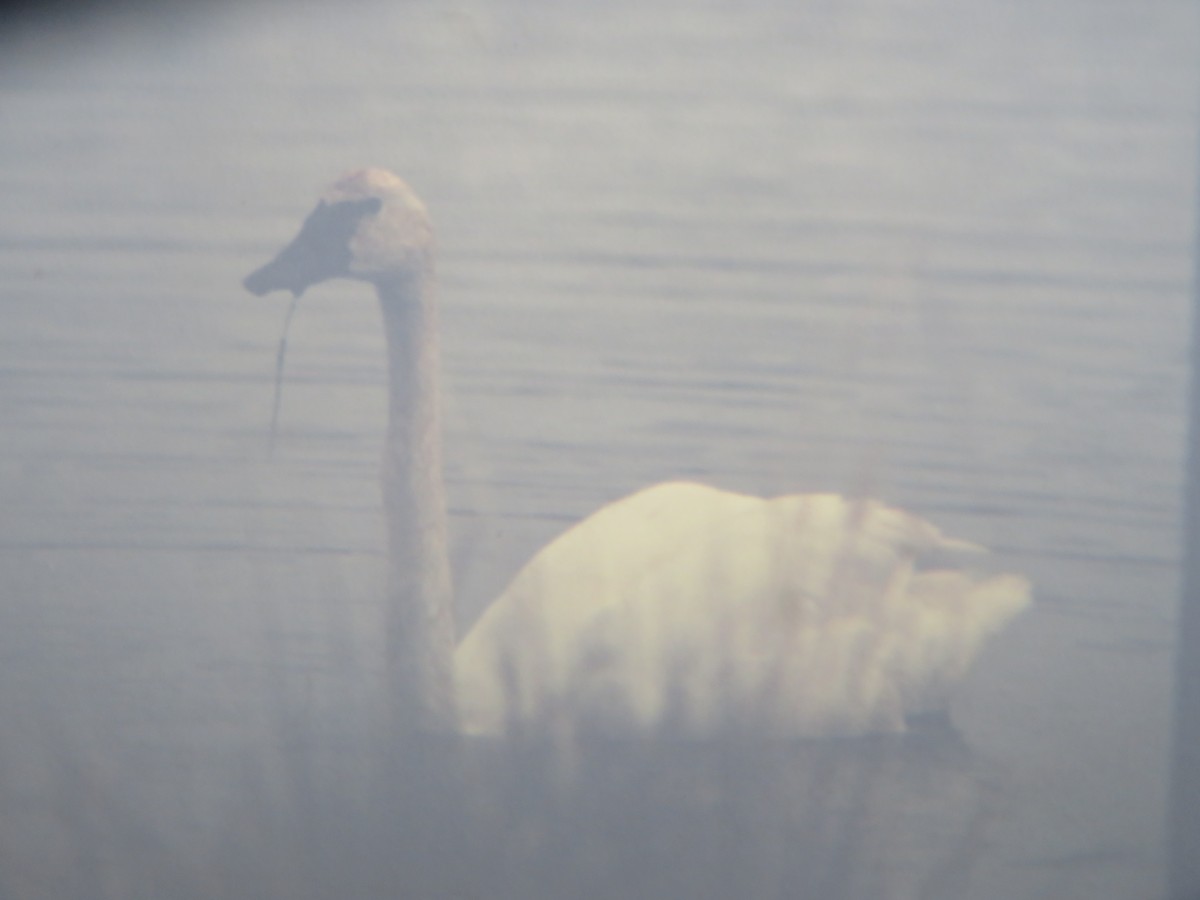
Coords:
pixel 700 611
pixel 682 608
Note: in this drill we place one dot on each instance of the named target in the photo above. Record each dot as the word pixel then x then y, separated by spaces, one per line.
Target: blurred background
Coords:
pixel 935 251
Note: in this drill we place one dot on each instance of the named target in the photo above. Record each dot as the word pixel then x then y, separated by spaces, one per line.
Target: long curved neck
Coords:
pixel 420 614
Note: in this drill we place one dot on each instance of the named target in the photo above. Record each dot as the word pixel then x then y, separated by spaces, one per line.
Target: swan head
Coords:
pixel 369 225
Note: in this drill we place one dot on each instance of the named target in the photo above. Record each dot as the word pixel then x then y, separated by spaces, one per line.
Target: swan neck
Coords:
pixel 420 616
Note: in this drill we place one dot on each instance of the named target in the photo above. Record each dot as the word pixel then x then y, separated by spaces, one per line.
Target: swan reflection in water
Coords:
pixel 682 609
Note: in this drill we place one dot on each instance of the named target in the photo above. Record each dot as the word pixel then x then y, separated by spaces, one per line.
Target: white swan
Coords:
pixel 682 608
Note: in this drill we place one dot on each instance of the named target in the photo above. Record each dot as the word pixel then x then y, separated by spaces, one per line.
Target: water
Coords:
pixel 938 252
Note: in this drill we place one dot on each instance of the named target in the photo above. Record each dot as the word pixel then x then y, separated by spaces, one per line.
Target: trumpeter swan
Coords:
pixel 682 607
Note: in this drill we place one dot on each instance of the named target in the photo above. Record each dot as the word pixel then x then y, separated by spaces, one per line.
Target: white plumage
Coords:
pixel 701 611
pixel 682 609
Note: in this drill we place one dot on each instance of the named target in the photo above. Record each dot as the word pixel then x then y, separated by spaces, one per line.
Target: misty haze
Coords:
pixel 751 468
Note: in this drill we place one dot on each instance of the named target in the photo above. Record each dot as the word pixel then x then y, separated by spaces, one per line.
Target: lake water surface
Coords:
pixel 934 251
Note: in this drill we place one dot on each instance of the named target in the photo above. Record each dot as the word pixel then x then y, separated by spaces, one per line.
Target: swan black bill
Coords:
pixel 263 281
pixel 319 252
